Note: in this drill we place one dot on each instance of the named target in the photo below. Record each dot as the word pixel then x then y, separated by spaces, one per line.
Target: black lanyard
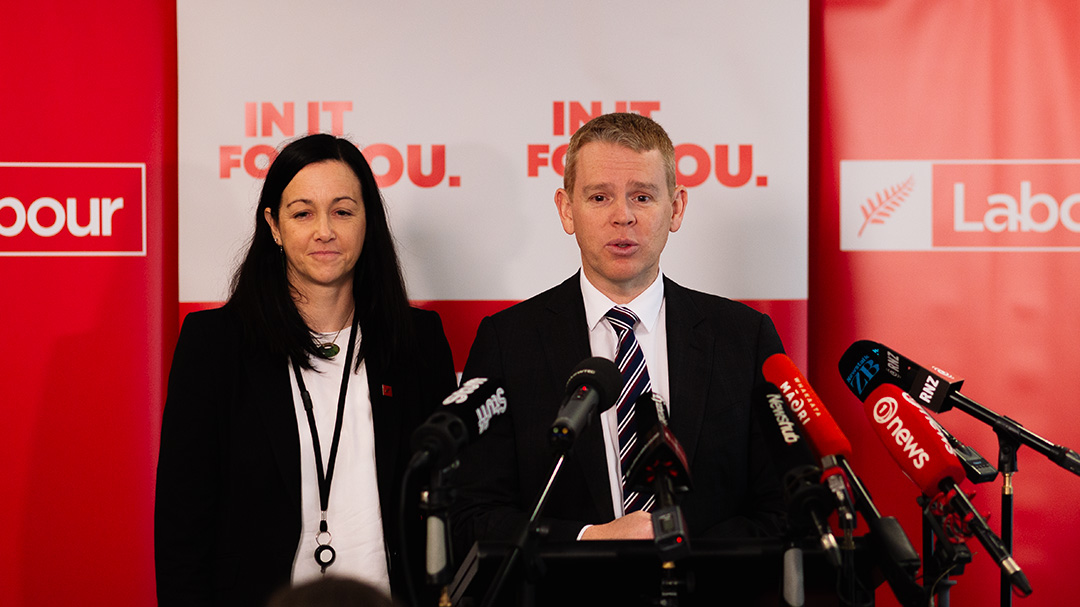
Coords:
pixel 324 553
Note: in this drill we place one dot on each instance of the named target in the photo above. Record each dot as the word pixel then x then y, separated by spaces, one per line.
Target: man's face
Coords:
pixel 621 213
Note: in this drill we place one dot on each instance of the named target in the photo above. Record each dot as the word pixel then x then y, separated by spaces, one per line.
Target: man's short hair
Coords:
pixel 632 131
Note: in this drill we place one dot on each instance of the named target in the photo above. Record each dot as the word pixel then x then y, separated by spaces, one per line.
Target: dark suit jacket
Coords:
pixel 715 350
pixel 227 510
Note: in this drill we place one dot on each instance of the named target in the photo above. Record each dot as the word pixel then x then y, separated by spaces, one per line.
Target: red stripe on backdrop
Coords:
pixel 85 339
pixel 461 318
pixel 789 316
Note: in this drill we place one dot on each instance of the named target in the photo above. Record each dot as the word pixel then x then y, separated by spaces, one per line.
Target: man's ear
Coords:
pixel 566 212
pixel 678 207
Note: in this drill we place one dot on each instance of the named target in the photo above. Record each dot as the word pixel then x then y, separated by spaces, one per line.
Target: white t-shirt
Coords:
pixel 353 516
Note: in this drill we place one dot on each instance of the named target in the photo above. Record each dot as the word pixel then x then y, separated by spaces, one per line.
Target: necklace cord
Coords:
pixel 326 479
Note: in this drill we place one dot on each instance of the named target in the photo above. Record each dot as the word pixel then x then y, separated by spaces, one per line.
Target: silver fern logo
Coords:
pixel 885 205
pixel 880 207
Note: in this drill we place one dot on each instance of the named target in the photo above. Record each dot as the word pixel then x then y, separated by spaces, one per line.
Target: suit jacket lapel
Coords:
pixel 689 366
pixel 387 421
pixel 271 402
pixel 269 382
pixel 565 336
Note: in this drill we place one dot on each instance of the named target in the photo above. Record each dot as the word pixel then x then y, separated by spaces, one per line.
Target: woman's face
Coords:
pixel 321 224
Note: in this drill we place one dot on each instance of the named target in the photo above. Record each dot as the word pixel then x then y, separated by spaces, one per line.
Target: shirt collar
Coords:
pixel 646 305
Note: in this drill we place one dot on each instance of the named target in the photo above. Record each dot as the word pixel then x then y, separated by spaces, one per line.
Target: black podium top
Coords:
pixel 567 574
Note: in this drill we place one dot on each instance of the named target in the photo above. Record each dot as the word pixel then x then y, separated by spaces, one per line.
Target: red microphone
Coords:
pixel 912 438
pixel 923 452
pixel 821 430
pixel 898 558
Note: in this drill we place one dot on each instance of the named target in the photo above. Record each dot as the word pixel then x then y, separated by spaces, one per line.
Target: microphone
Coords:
pixel 594 384
pixel 867 364
pixel 976 467
pixel 465 415
pixel 928 459
pixel 898 558
pixel 809 503
pixel 821 430
pixel 826 438
pixel 649 411
pixel 660 468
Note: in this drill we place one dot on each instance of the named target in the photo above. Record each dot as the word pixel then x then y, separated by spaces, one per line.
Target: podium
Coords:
pixel 629 573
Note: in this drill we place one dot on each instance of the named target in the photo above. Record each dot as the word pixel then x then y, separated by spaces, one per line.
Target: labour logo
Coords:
pixel 960 205
pixel 55 209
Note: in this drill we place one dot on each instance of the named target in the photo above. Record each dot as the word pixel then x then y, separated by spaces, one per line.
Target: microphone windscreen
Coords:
pixel 787 447
pixel 861 367
pixel 818 426
pixel 601 375
pixel 476 403
pixel 464 415
pixel 912 439
pixel 866 365
pixel 646 416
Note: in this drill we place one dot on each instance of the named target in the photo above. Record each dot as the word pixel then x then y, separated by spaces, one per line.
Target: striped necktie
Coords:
pixel 631 362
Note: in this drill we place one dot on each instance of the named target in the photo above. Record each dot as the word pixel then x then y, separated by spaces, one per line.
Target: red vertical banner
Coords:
pixel 944 224
pixel 88 305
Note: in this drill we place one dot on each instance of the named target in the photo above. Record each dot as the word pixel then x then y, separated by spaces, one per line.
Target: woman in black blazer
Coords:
pixel 317 351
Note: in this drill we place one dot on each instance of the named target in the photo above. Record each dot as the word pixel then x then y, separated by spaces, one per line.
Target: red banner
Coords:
pixel 944 225
pixel 88 312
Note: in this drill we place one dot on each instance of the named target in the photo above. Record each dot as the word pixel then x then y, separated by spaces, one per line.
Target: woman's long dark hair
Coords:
pixel 261 293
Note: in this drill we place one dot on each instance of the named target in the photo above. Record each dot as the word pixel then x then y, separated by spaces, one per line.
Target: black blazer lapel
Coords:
pixel 689 366
pixel 267 378
pixel 387 420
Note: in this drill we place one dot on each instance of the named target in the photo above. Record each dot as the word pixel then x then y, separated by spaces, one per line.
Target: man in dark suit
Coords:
pixel 702 354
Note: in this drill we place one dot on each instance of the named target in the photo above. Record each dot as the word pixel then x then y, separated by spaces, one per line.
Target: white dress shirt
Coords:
pixel 651 334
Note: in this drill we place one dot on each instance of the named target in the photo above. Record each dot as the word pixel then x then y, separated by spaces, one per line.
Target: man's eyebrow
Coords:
pixel 645 185
pixel 593 187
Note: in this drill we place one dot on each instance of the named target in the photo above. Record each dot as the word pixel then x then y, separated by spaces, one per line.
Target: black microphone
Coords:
pixel 809 502
pixel 465 415
pixel 867 364
pixel 649 411
pixel 594 385
pixel 660 468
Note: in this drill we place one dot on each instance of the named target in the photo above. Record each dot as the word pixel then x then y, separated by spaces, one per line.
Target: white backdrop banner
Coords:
pixel 464 110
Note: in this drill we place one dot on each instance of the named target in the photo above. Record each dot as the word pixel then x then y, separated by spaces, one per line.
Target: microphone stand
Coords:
pixel 809 504
pixel 1008 446
pixel 941 558
pixel 1011 436
pixel 660 467
pixel 896 557
pixel 671 539
pixel 435 504
pixel 525 541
